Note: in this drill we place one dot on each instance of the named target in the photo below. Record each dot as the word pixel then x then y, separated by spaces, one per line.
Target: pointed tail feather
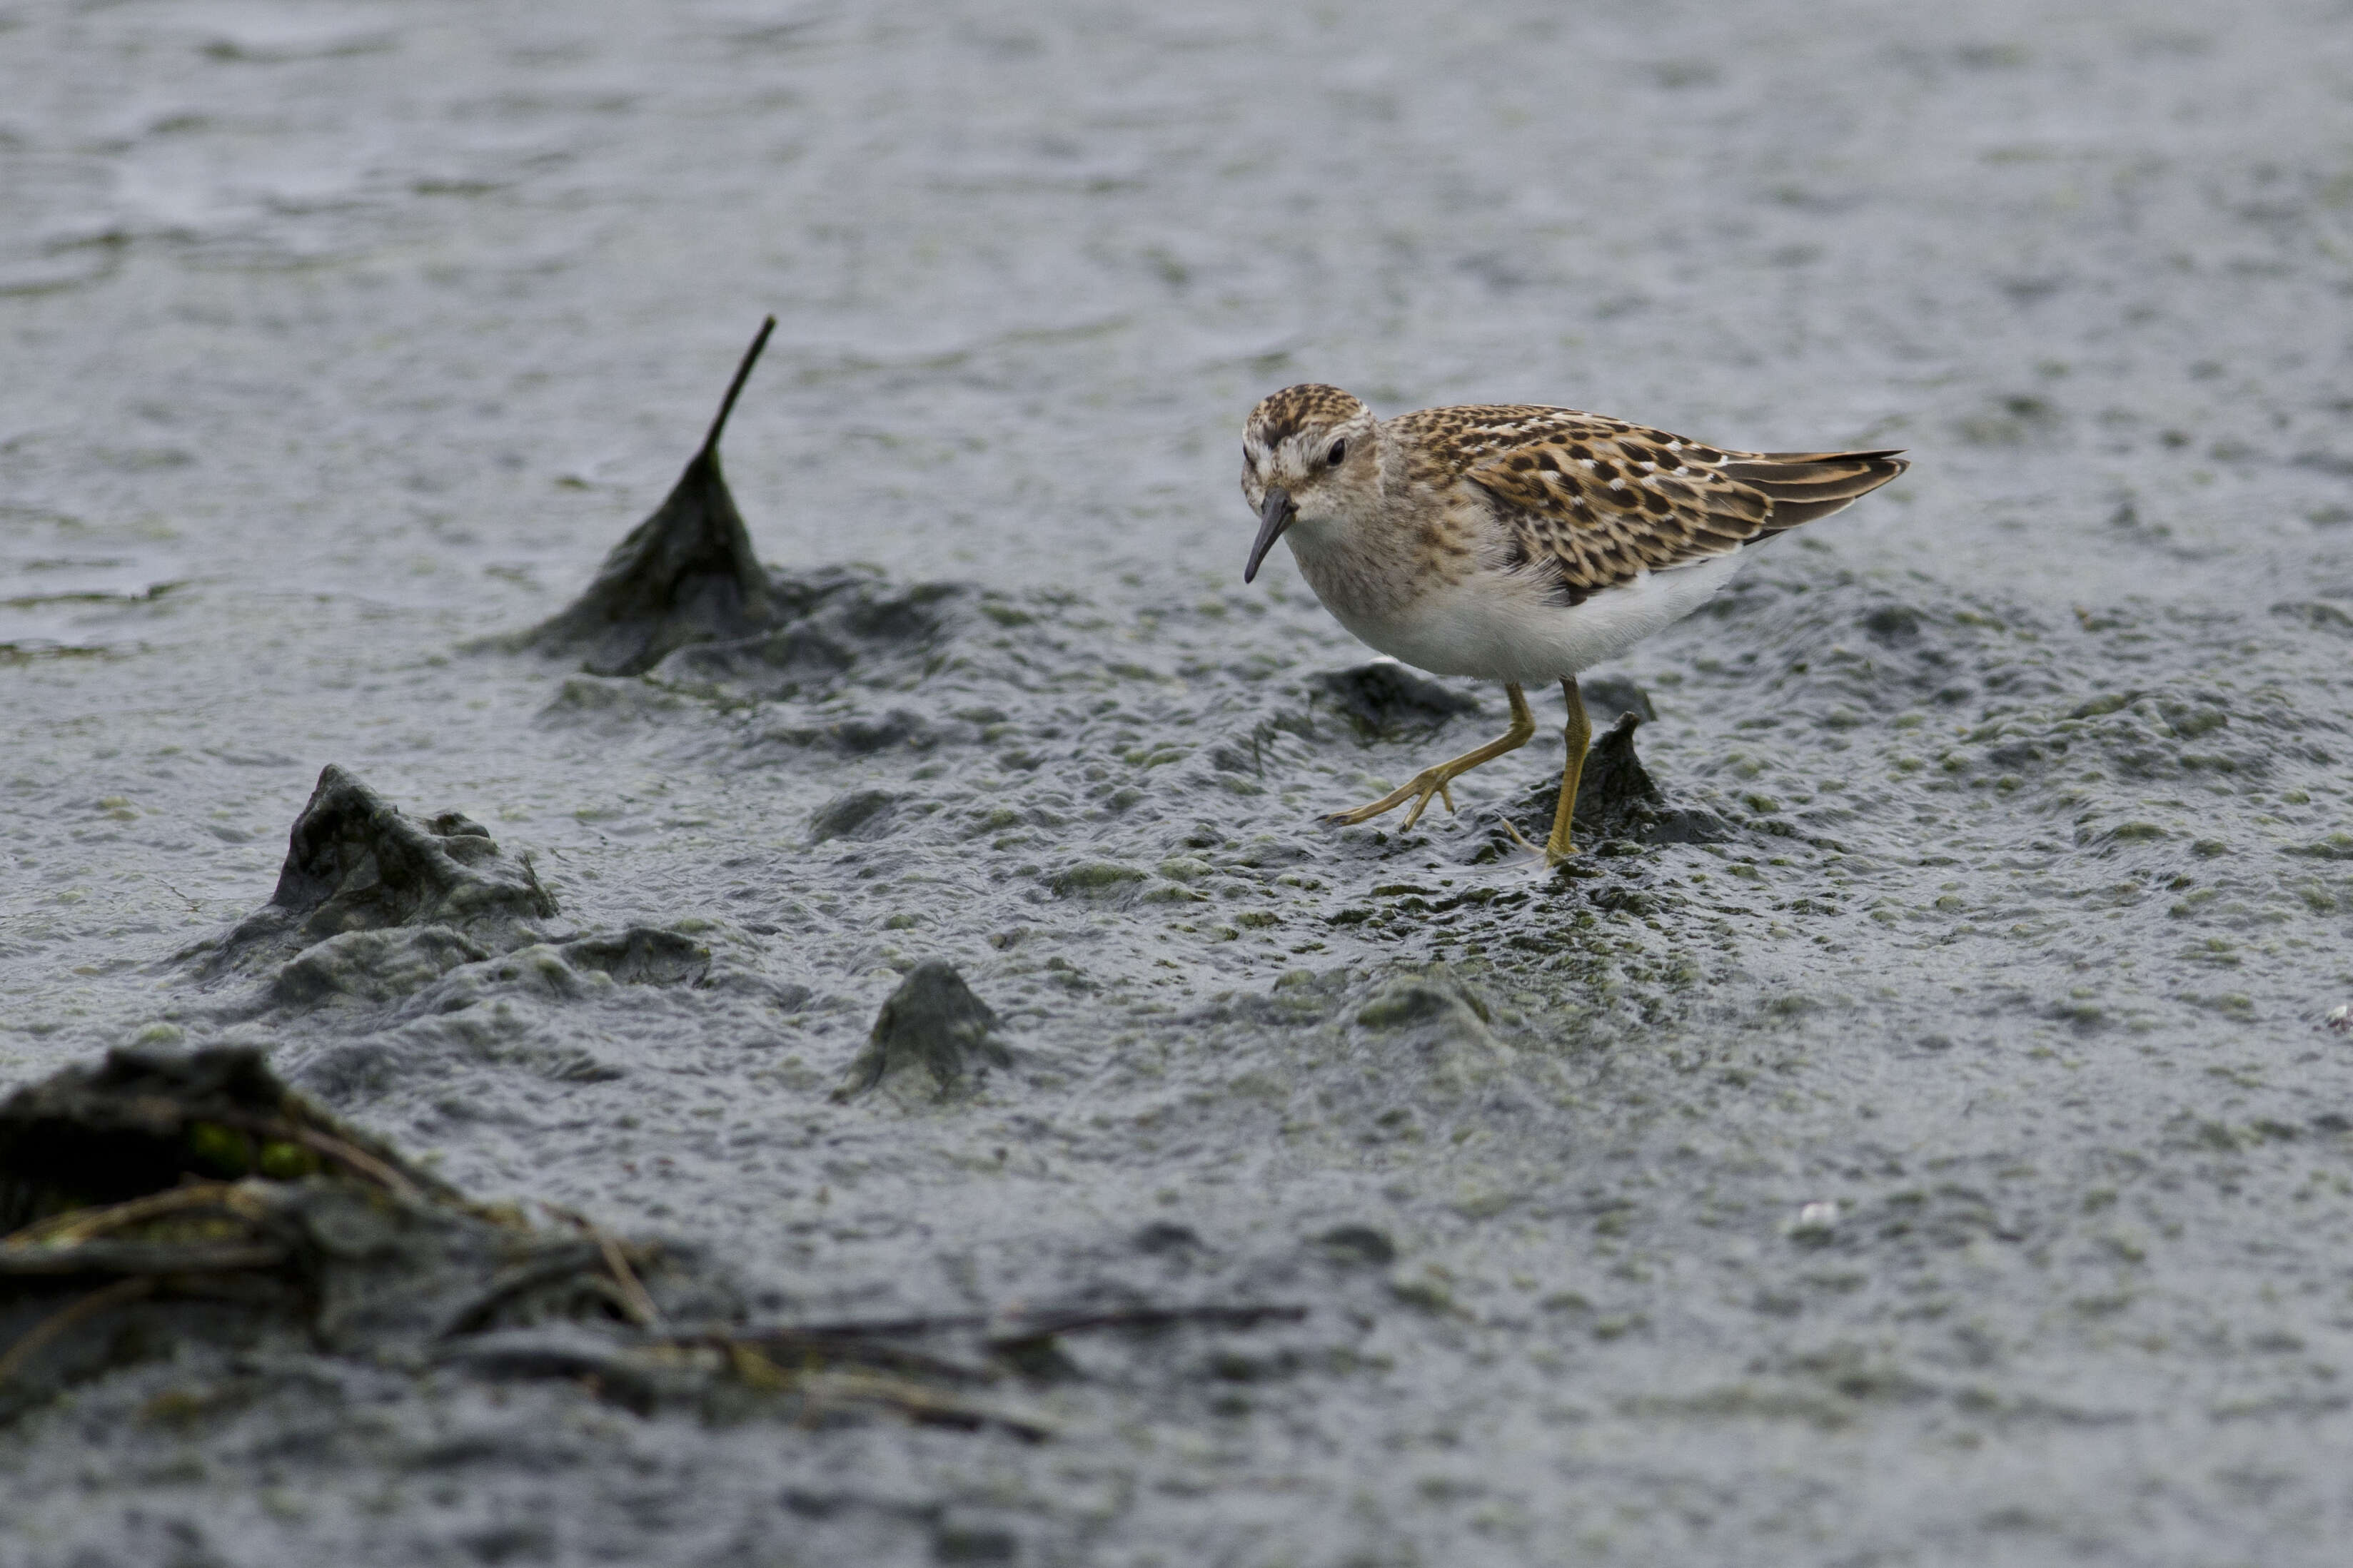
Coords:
pixel 1803 486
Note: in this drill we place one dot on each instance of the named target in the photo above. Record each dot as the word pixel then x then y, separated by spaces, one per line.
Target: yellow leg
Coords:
pixel 1580 736
pixel 1433 781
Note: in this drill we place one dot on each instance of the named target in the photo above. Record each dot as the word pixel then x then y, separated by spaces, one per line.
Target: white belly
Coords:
pixel 1501 627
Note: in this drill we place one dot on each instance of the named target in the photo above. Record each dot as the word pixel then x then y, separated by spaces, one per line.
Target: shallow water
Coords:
pixel 341 337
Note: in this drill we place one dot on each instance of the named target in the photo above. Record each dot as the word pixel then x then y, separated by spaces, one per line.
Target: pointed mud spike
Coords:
pixel 686 575
pixel 683 599
pixel 1617 798
pixel 1385 699
pixel 1614 782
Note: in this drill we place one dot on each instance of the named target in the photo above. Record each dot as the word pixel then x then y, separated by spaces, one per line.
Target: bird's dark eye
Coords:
pixel 1339 450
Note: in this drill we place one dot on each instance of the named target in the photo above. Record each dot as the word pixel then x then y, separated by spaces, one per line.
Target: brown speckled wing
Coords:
pixel 1599 500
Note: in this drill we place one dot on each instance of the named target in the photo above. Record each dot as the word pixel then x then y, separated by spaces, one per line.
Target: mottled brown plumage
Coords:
pixel 1599 501
pixel 1516 541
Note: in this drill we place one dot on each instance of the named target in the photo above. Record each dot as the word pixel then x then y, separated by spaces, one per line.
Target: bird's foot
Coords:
pixel 1424 785
pixel 1550 854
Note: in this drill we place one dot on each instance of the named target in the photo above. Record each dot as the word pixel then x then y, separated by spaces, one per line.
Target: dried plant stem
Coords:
pixel 742 374
pixel 59 1322
pixel 635 1298
pixel 80 1225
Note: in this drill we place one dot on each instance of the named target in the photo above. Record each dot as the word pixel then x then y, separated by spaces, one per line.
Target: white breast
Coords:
pixel 1500 627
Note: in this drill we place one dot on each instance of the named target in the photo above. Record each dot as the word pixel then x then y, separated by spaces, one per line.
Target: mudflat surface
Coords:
pixel 339 337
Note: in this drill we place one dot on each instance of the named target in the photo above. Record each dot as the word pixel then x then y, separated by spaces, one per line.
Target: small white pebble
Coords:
pixel 1820 1215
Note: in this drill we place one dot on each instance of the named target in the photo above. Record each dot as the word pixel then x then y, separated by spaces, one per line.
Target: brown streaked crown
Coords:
pixel 1280 416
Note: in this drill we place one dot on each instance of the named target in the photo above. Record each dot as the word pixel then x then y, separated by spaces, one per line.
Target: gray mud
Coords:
pixel 1912 1137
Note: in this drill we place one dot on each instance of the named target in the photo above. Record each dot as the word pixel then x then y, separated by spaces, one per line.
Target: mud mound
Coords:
pixel 683 594
pixel 440 893
pixel 685 574
pixel 1385 699
pixel 828 628
pixel 933 1022
pixel 1616 799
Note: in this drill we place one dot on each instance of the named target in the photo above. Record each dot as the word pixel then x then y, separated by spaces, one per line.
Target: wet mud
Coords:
pixel 891 898
pixel 194 1206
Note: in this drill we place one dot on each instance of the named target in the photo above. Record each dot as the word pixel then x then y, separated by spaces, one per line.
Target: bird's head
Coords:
pixel 1309 456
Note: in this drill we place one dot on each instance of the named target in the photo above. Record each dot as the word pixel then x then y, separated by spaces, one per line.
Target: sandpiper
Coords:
pixel 1516 542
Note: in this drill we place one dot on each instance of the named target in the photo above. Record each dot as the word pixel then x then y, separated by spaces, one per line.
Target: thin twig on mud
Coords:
pixel 635 1300
pixel 59 1322
pixel 1014 1328
pixel 78 1224
pixel 791 1350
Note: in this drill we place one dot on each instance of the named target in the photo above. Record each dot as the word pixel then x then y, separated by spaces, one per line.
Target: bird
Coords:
pixel 1515 542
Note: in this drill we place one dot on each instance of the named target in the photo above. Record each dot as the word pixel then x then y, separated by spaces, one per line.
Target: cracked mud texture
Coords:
pixel 2017 866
